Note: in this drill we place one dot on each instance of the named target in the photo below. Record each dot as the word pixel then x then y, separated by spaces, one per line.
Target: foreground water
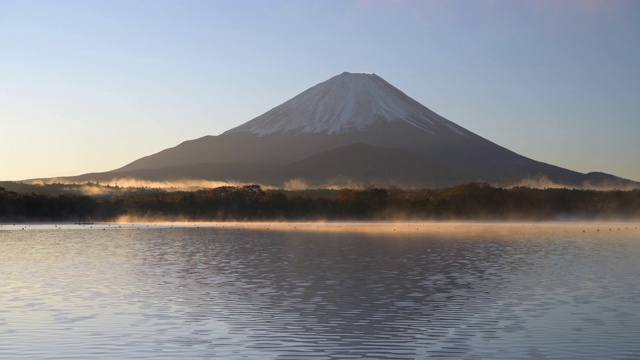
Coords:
pixel 320 291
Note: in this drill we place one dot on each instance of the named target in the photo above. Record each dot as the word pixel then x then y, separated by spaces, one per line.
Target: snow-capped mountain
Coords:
pixel 344 103
pixel 355 128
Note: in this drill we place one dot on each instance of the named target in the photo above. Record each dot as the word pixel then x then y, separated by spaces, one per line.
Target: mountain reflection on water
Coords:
pixel 495 292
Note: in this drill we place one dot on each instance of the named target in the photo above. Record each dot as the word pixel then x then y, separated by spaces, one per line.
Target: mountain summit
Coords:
pixel 353 129
pixel 344 103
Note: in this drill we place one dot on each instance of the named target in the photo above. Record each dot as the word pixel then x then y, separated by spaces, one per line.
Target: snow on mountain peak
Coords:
pixel 346 102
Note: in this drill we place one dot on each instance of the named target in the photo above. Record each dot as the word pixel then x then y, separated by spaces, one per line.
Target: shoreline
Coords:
pixel 382 227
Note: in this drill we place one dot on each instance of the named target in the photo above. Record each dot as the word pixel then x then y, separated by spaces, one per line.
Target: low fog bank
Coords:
pixel 404 230
pixel 608 184
pixel 401 228
pixel 118 186
pixel 114 186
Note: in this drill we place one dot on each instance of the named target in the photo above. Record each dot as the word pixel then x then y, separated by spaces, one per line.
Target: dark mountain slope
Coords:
pixel 361 164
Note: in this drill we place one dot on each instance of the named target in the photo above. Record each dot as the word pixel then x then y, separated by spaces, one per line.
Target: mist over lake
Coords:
pixel 307 290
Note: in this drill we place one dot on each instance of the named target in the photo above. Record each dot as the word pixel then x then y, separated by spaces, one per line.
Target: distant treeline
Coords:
pixel 474 201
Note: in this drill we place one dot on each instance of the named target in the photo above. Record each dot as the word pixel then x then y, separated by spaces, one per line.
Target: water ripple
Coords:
pixel 211 292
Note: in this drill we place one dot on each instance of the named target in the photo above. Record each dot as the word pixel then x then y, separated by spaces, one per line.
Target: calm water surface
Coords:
pixel 488 292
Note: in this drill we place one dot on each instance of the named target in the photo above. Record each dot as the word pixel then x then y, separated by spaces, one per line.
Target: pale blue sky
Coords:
pixel 90 86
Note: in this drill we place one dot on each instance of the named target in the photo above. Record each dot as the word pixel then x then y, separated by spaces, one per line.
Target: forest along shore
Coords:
pixel 473 201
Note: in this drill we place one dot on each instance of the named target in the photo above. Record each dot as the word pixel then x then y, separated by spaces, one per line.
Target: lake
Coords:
pixel 320 291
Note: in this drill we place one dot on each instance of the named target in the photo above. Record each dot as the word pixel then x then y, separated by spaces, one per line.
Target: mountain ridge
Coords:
pixel 319 127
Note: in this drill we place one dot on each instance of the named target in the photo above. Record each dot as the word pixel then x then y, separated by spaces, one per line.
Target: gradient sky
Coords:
pixel 90 86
